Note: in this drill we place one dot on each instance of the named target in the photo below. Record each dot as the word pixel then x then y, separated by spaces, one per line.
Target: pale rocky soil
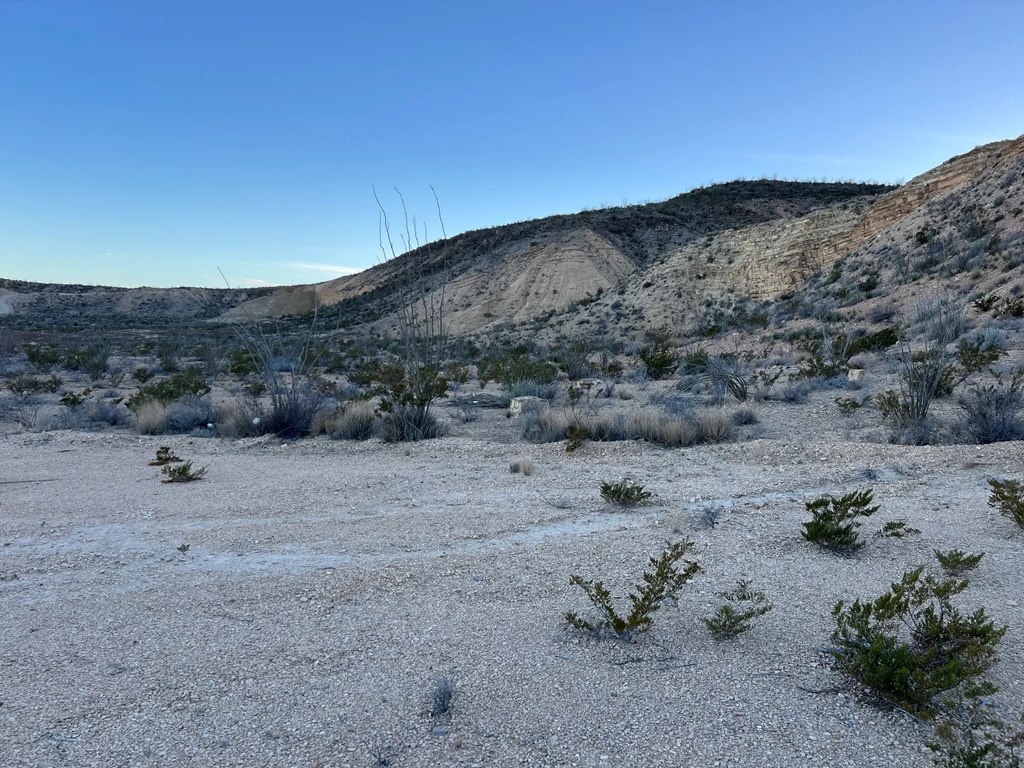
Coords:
pixel 327 585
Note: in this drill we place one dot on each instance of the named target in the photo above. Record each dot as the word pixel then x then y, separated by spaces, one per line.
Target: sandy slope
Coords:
pixel 327 585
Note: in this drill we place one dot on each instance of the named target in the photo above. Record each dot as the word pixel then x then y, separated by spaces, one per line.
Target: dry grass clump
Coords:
pixel 354 422
pixel 654 426
pixel 151 418
pixel 648 424
pixel 713 426
pixel 524 466
pixel 240 418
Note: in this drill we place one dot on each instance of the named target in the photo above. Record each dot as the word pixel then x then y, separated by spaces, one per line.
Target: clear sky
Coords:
pixel 148 142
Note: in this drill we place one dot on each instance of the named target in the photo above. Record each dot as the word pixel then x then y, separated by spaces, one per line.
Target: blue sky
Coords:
pixel 149 143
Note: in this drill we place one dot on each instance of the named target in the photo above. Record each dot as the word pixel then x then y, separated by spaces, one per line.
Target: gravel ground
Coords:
pixel 326 586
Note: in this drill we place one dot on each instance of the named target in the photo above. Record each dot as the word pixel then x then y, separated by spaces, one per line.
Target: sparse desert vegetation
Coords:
pixel 372 529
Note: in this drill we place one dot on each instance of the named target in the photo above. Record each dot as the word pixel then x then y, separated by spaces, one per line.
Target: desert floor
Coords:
pixel 327 585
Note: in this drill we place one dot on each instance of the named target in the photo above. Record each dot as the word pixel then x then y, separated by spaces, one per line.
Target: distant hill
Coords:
pixel 700 259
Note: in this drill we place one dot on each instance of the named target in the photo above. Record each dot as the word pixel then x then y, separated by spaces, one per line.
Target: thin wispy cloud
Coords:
pixel 328 269
pixel 254 282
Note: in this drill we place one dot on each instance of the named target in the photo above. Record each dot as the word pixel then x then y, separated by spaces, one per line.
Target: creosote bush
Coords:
pixel 1008 497
pixel 735 617
pixel 833 524
pixel 973 736
pixel 914 648
pixel 624 493
pixel 164 455
pixel 956 562
pixel 182 384
pixel 182 473
pixel 669 572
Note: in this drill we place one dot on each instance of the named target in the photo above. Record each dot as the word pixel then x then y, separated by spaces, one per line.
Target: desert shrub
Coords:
pixel 293 409
pixel 164 455
pixel 151 417
pixel 241 418
pixel 111 412
pixel 187 414
pixel 442 696
pixel 524 466
pixel 531 388
pixel 994 413
pixel 624 493
pixel 518 367
pixel 409 423
pixel 913 647
pixel 979 350
pixel 923 376
pixel 574 357
pixel 354 422
pixel 42 357
pixel 874 342
pixel 833 524
pixel 956 562
pixel 940 318
pixel 974 736
pixel 733 618
pixel 659 359
pixel 729 372
pixel 828 356
pixel 544 427
pixel 896 529
pixel 23 384
pixel 93 360
pixel 182 473
pixel 795 392
pixel 744 416
pixel 243 363
pixel 185 383
pixel 847 405
pixel 659 428
pixel 669 572
pixel 713 426
pixel 608 428
pixel 1008 497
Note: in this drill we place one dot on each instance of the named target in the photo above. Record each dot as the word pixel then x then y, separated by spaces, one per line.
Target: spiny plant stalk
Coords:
pixel 408 389
pixel 661 583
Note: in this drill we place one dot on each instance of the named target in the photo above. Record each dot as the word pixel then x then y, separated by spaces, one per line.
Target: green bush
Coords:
pixel 833 524
pixel 659 359
pixel 182 384
pixel 735 617
pixel 24 385
pixel 1008 497
pixel 956 562
pixel 182 473
pixel 42 356
pixel 624 493
pixel 659 584
pixel 913 647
